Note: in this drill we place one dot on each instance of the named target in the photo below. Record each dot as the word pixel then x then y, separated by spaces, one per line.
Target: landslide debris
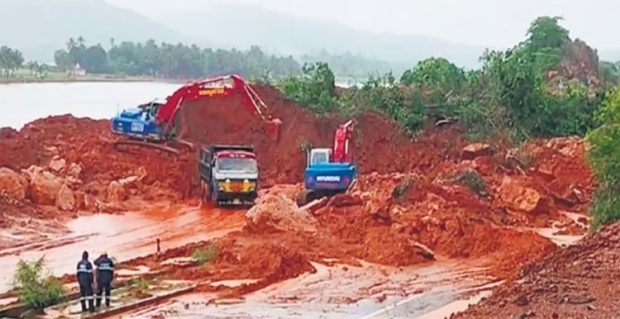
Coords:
pixel 416 200
pixel 580 281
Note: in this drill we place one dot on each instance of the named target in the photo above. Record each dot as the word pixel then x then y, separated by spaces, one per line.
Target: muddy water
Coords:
pixel 370 291
pixel 123 236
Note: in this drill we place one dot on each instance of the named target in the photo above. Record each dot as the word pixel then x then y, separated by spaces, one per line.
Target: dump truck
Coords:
pixel 228 175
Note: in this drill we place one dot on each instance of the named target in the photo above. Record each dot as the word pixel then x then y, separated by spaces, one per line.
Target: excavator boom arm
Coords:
pixel 342 150
pixel 223 85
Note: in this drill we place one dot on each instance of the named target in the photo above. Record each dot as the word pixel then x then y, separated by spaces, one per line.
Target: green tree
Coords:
pixel 95 59
pixel 437 73
pixel 546 32
pixel 439 80
pixel 62 59
pixel 610 73
pixel 10 60
pixel 315 88
pixel 604 156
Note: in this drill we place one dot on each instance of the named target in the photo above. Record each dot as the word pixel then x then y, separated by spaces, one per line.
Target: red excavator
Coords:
pixel 156 124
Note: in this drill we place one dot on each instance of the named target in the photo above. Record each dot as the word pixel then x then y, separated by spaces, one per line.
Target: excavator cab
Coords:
pixel 330 171
pixel 318 156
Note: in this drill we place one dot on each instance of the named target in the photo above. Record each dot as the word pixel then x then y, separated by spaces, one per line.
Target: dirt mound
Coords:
pixel 576 282
pixel 274 213
pixel 380 145
pixel 84 147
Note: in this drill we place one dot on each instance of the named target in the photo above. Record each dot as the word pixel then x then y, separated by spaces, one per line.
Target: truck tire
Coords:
pixel 214 196
pixel 203 192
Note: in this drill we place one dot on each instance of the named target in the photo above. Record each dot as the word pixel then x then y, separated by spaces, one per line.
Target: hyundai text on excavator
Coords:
pixel 156 124
pixel 330 171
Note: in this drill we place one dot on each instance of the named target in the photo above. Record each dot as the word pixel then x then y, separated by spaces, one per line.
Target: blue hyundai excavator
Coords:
pixel 330 171
pixel 155 124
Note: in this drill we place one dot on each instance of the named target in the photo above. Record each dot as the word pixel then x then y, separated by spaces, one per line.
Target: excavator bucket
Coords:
pixel 272 129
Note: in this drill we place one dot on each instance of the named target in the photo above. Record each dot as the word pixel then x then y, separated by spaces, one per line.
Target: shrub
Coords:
pixel 604 156
pixel 473 180
pixel 36 290
pixel 142 284
pixel 206 254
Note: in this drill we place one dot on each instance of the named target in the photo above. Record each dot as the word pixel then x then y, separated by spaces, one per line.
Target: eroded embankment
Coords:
pixel 416 200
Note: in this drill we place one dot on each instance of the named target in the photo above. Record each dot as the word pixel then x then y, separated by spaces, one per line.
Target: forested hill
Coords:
pixel 45 25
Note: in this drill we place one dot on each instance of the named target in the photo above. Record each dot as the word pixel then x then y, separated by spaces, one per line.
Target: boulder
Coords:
pixel 518 196
pixel 13 184
pixel 75 170
pixel 8 132
pixel 44 186
pixel 474 150
pixel 90 202
pixel 65 199
pixel 57 164
pixel 116 192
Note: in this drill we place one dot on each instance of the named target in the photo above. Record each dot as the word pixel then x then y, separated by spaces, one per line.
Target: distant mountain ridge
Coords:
pixel 38 27
pixel 294 35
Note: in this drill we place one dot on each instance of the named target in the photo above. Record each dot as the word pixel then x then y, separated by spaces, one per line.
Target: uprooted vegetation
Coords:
pixel 36 289
pixel 205 254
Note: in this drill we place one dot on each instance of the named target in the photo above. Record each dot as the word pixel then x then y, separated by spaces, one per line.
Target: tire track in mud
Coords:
pixel 125 237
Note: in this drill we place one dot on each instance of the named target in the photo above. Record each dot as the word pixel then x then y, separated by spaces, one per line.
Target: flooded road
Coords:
pixel 124 237
pixel 370 291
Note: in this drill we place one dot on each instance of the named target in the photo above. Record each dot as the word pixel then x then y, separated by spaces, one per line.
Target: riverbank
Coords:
pixel 63 78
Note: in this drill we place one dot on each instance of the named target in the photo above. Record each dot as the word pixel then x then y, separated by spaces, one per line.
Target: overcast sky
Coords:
pixel 494 23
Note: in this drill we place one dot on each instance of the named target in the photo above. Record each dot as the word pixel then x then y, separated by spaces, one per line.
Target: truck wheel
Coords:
pixel 214 197
pixel 203 192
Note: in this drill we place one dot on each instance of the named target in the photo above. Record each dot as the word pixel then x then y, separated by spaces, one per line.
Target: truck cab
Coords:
pixel 229 174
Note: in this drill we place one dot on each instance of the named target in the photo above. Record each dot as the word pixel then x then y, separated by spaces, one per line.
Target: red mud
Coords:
pixel 410 205
pixel 380 144
pixel 577 282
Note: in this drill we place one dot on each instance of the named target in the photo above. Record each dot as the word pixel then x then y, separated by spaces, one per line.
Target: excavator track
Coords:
pixel 134 146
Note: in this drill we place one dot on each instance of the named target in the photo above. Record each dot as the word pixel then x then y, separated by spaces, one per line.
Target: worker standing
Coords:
pixel 105 274
pixel 85 280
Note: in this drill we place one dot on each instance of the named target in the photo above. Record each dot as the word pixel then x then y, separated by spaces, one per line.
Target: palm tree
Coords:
pixel 71 44
pixel 81 42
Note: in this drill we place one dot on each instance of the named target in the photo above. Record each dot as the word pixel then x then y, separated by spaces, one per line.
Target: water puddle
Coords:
pixel 370 291
pixel 124 237
pixel 560 240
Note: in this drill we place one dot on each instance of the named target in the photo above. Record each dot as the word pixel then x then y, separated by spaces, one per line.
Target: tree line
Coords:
pixel 165 60
pixel 509 99
pixel 10 61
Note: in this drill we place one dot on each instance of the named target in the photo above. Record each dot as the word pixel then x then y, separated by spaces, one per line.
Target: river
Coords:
pixel 21 103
